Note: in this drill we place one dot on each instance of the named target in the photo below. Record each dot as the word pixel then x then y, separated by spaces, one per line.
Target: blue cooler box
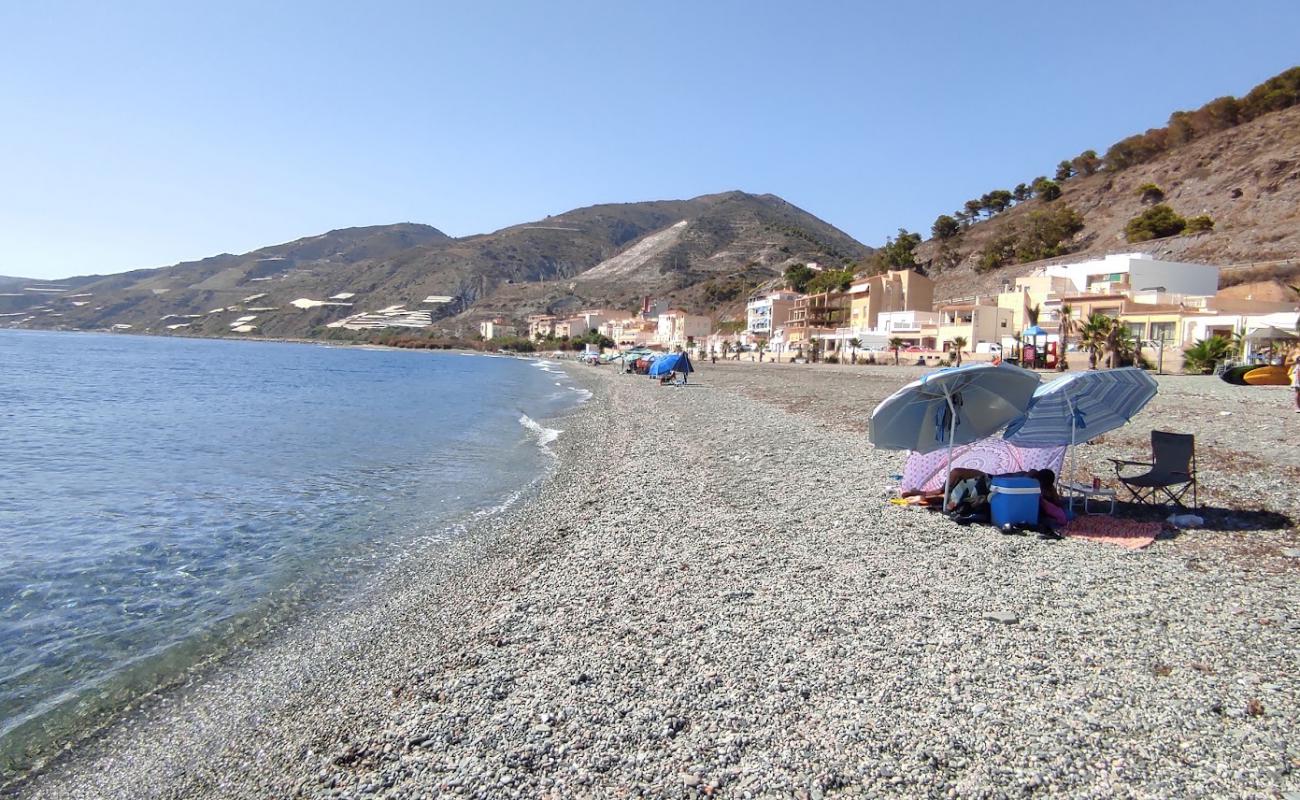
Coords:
pixel 1014 501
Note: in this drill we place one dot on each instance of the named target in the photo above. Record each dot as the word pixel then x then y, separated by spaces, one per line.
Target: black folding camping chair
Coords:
pixel 1171 471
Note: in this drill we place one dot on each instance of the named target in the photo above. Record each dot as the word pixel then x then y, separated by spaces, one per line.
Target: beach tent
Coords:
pixel 925 472
pixel 669 363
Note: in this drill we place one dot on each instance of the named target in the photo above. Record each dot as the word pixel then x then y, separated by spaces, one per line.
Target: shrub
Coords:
pixel 1046 190
pixel 1156 222
pixel 1200 223
pixel 1150 193
pixel 945 227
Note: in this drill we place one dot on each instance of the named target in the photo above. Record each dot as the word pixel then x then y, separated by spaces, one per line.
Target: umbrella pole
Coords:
pixel 952 431
pixel 1073 418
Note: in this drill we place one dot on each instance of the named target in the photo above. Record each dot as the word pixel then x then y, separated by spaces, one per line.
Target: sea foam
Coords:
pixel 544 435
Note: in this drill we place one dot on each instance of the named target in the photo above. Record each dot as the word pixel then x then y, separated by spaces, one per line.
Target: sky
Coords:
pixel 140 134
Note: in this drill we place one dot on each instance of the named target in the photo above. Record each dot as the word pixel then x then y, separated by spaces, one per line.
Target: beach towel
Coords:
pixel 994 456
pixel 1123 532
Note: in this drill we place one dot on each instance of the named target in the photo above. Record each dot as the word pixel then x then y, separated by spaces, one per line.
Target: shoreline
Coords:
pixel 717 599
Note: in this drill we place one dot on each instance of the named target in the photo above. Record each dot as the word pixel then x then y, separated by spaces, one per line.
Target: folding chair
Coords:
pixel 1171 473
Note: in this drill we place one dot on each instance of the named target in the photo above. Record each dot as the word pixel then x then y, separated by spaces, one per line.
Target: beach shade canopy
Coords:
pixel 1271 334
pixel 925 472
pixel 1034 330
pixel 672 362
pixel 952 407
pixel 1082 406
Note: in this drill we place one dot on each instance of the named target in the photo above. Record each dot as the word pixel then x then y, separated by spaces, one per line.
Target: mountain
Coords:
pixel 1245 178
pixel 701 253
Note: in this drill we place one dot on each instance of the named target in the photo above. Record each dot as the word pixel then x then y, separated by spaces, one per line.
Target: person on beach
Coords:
pixel 1295 381
pixel 967 485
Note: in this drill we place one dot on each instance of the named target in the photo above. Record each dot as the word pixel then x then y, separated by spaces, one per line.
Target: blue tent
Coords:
pixel 672 362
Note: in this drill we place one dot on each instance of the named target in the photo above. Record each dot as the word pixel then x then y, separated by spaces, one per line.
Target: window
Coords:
pixel 1162 331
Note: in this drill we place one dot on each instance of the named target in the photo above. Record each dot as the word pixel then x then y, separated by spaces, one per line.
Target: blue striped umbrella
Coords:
pixel 1081 406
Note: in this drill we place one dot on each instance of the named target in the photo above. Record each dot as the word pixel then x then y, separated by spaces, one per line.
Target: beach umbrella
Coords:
pixel 1082 406
pixel 1271 334
pixel 952 407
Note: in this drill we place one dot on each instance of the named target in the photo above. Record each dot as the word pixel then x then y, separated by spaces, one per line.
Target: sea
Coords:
pixel 161 499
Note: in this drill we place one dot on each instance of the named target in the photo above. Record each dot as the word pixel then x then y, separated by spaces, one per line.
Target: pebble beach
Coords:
pixel 710 595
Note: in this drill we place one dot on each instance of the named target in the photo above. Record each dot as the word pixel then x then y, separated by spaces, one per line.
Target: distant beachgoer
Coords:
pixel 1295 381
pixel 713 356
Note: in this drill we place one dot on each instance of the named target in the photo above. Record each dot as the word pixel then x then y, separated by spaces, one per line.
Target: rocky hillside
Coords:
pixel 702 253
pixel 1246 178
pixel 715 251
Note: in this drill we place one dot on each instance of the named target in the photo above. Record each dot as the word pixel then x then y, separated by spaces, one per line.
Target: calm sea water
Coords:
pixel 160 496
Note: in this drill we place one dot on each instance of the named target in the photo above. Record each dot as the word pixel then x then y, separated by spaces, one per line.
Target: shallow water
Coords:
pixel 160 495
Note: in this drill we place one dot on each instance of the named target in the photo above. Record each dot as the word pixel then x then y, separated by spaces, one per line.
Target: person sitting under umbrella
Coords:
pixel 970 488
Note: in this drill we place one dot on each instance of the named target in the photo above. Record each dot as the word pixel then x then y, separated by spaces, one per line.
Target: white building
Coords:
pixel 765 314
pixel 1139 272
pixel 679 329
pixel 497 329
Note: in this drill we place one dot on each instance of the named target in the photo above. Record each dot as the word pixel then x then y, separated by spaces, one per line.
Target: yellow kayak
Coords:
pixel 1267 376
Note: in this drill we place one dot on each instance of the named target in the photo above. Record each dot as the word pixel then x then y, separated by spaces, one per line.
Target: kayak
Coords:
pixel 1267 376
pixel 1236 375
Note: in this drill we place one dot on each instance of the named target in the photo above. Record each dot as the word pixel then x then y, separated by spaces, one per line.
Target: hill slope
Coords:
pixel 1246 178
pixel 701 251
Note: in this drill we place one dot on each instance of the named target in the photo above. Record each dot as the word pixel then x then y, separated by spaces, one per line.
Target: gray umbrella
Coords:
pixel 1270 334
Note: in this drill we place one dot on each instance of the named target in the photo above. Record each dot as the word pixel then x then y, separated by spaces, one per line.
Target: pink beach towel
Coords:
pixel 1123 532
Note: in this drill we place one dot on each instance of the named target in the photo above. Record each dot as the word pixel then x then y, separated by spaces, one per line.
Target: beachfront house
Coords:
pixel 770 311
pixel 541 326
pixel 895 290
pixel 814 320
pixel 915 328
pixel 676 328
pixel 497 328
pixel 631 331
pixel 980 323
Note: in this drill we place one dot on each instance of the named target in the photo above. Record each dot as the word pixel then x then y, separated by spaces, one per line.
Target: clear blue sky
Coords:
pixel 141 134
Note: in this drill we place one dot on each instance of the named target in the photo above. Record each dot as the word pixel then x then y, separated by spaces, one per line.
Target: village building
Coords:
pixel 813 316
pixel 768 312
pixel 676 328
pixel 497 328
pixel 541 326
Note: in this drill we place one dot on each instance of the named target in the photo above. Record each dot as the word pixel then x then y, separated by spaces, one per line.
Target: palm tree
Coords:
pixel 1239 342
pixel 1066 325
pixel 896 344
pixel 1092 335
pixel 957 343
pixel 1113 342
pixel 1127 348
pixel 1032 312
pixel 1201 357
pixel 854 344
